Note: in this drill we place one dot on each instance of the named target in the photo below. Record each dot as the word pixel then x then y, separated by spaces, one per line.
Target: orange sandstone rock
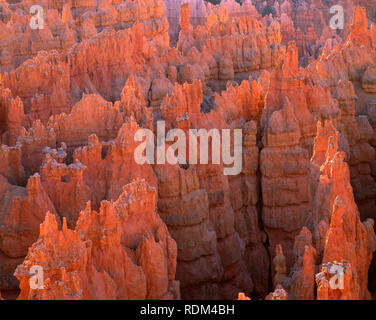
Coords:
pixel 242 296
pixel 11 115
pixel 124 251
pixel 22 211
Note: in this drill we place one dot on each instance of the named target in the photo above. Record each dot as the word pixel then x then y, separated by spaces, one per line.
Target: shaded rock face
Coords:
pixel 207 267
pixel 284 160
pixel 12 113
pixel 74 201
pixel 369 80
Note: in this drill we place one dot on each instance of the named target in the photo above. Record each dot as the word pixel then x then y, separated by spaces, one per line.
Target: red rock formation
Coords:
pixel 47 71
pixel 279 265
pixel 130 54
pixel 11 116
pixel 133 104
pixel 369 80
pixel 245 204
pixel 11 166
pixel 284 167
pixel 65 187
pixel 242 296
pixel 32 143
pixel 124 251
pixel 243 101
pixel 278 294
pixel 207 269
pixel 110 165
pixel 74 94
pixel 20 42
pixel 338 232
pixel 92 114
pixel 22 210
pixel 302 285
pixel 232 43
pixel 200 10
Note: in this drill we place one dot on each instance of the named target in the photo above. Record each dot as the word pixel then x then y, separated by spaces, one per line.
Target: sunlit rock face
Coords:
pixel 77 95
pixel 131 247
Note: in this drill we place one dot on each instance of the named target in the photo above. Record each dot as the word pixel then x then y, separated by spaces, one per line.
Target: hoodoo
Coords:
pixel 187 149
